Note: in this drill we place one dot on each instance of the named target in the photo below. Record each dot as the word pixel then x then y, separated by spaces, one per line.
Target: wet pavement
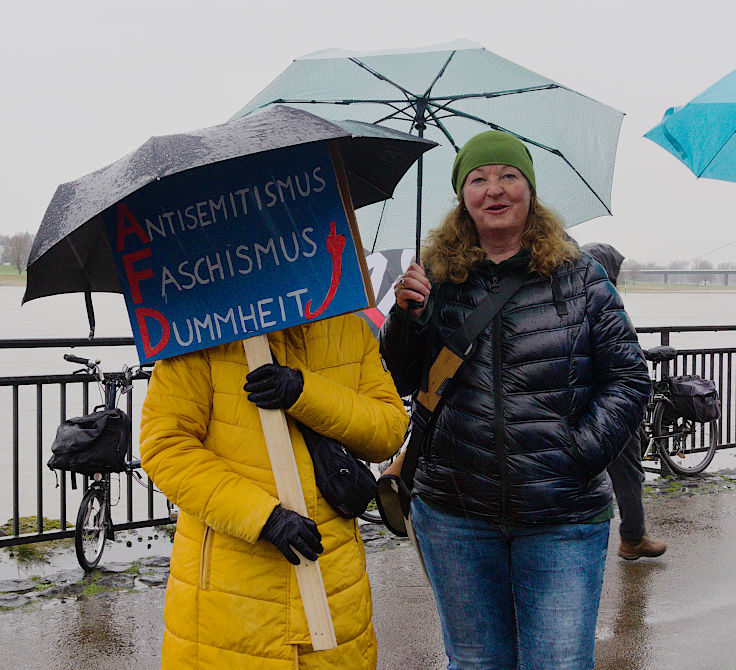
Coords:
pixel 677 612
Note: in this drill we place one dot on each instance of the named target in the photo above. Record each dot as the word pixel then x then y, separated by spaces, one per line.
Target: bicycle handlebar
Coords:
pixel 92 366
pixel 82 361
pixel 121 379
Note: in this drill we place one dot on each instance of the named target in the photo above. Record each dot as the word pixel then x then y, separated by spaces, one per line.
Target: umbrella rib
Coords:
pixel 712 158
pixel 417 104
pixel 409 95
pixel 444 130
pixel 378 227
pixel 344 101
pixel 498 94
pixel 528 140
pixel 439 74
pixel 398 111
pixel 495 126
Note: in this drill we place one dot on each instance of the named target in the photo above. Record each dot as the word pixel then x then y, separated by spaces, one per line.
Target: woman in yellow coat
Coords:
pixel 232 600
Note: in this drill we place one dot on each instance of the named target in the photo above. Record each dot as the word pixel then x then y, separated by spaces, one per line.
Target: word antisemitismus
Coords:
pixel 224 207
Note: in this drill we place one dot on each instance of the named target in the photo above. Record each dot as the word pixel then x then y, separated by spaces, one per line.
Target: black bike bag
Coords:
pixel 92 443
pixel 695 398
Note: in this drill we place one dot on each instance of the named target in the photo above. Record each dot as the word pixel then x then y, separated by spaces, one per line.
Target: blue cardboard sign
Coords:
pixel 236 249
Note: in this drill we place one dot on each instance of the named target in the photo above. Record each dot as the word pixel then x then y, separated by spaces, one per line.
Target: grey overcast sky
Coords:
pixel 85 82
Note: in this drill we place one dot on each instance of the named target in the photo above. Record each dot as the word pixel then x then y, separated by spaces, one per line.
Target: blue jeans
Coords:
pixel 516 596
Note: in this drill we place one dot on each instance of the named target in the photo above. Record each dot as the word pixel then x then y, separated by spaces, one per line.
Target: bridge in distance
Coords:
pixel 680 276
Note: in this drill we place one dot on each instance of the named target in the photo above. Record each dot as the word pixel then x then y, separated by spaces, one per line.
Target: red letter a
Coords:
pixel 131 228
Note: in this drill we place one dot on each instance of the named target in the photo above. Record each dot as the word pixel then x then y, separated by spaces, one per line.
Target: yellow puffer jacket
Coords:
pixel 232 600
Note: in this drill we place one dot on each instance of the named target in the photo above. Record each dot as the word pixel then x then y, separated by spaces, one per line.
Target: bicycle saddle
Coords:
pixel 660 354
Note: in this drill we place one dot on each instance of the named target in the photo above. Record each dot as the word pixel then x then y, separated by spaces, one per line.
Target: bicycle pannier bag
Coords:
pixel 92 443
pixel 695 398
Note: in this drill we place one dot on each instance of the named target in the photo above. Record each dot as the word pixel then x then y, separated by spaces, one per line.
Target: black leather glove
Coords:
pixel 286 529
pixel 274 386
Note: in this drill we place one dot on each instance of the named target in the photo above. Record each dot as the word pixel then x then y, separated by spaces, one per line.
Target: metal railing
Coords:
pixel 131 491
pixel 713 363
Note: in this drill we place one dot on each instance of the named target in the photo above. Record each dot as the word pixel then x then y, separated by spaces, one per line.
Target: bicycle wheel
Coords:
pixel 686 446
pixel 91 530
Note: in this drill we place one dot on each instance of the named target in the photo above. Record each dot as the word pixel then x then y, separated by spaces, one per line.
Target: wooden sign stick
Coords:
pixel 291 496
pixel 281 452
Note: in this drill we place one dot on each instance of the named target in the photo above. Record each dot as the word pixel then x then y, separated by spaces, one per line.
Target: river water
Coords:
pixel 65 316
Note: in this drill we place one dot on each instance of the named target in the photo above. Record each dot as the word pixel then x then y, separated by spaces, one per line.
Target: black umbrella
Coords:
pixel 71 252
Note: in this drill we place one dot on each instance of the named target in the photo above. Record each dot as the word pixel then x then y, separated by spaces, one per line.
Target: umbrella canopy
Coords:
pixel 71 252
pixel 449 93
pixel 702 133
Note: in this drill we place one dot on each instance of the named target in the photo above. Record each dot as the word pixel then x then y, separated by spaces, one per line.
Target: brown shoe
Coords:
pixel 648 547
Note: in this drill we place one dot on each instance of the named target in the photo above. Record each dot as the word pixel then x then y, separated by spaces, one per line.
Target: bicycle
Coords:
pixel 686 446
pixel 94 521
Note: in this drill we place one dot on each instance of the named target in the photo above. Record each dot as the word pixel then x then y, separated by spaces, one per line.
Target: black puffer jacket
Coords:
pixel 543 404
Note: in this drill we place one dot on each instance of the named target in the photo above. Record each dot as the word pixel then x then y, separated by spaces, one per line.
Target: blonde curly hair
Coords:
pixel 453 248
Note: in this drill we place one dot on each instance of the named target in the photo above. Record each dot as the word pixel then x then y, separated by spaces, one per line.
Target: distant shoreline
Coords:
pixel 674 288
pixel 20 280
pixel 12 280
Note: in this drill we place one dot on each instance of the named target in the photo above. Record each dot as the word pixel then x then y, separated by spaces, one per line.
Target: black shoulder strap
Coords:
pixel 459 344
pixel 482 315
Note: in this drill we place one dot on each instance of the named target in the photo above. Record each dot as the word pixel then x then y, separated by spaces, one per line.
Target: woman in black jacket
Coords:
pixel 511 503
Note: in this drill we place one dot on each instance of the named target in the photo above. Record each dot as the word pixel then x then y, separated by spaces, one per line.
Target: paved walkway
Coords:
pixel 673 613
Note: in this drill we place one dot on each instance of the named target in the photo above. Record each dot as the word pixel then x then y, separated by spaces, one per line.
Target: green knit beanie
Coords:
pixel 494 147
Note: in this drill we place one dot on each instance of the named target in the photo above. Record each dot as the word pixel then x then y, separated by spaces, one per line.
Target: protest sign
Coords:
pixel 232 251
pixel 236 249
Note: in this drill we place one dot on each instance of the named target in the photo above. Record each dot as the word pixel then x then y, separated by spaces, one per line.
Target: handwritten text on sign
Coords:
pixel 235 249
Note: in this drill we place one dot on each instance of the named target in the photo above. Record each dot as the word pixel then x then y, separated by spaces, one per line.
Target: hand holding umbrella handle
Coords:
pixel 412 288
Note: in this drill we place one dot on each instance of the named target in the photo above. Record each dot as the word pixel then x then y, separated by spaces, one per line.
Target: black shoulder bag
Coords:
pixel 346 483
pixel 394 493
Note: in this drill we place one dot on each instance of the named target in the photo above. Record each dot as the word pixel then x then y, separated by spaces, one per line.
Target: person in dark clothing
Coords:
pixel 511 504
pixel 626 472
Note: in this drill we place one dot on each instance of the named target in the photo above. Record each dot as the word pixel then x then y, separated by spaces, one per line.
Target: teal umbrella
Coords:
pixel 702 133
pixel 448 93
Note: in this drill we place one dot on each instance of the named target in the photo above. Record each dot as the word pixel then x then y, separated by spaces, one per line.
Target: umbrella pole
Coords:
pixel 418 304
pixel 291 496
pixel 420 165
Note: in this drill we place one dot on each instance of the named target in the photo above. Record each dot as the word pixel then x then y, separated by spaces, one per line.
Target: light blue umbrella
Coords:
pixel 702 133
pixel 448 93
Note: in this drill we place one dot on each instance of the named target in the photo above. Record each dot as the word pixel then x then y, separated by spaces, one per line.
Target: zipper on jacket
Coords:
pixel 497 397
pixel 204 560
pixel 498 408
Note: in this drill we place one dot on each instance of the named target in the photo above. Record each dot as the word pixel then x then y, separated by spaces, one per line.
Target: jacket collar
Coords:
pixel 518 262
